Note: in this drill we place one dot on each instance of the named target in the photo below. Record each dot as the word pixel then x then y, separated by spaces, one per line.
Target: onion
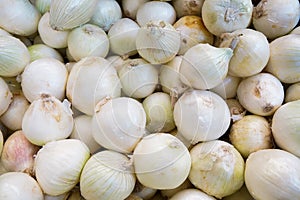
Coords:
pixel 251 134
pixel 45 75
pixel 237 111
pixel 292 93
pixel 1 142
pixel 154 11
pixel 143 192
pixel 217 168
pixel 91 80
pixel 18 185
pixel 88 40
pixel 185 185
pixel 227 89
pixel 4 32
pixel 221 16
pixel 191 194
pixel 285 125
pixel 18 153
pixel 261 94
pixel 275 18
pixel 5 96
pixel 57 172
pixel 38 51
pixel 118 124
pixel 130 7
pixel 187 7
pixel 157 157
pixel 47 119
pixel 107 175
pixel 204 66
pixel 273 174
pixel 42 6
pixel 201 116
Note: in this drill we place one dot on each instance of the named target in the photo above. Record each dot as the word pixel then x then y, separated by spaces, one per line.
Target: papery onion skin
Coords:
pixel 292 93
pixel 5 96
pixel 58 165
pixel 66 15
pixel 42 6
pixel 107 175
pixel 19 185
pixel 187 7
pixel 191 194
pixel 273 174
pixel 285 126
pixel 14 56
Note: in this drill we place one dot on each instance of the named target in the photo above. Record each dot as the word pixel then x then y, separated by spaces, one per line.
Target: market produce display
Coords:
pixel 149 99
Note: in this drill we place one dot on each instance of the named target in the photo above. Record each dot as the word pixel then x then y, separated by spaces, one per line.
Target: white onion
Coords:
pixel 273 174
pixel 251 52
pixel 82 130
pixel 42 6
pixel 47 119
pixel 185 185
pixel 19 17
pixel 1 144
pixel 201 116
pixel 138 78
pixel 221 16
pixel 106 13
pixel 145 193
pixel 275 18
pixel 18 185
pixel 118 124
pixel 18 153
pixel 66 15
pixel 91 80
pixel 130 7
pixel 5 96
pixel 204 66
pixel 58 165
pixel 155 10
pixel 53 38
pixel 157 42
pixel 292 93
pixel 4 32
pixel 45 75
pixel 88 40
pixel 107 175
pixel 237 111
pixel 122 37
pixel 187 7
pixel 261 94
pixel 14 56
pixel 227 89
pixel 285 125
pixel 161 161
pixel 217 168
pixel 13 116
pixel 38 51
pixel 192 193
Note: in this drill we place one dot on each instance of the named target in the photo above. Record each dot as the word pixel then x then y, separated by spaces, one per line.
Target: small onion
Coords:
pixel 5 96
pixel 118 124
pixel 285 126
pixel 66 15
pixel 275 18
pixel 43 6
pixel 159 112
pixel 82 130
pixel 58 165
pixel 251 134
pixel 261 94
pixel 122 37
pixel 157 157
pixel 138 78
pixel 273 174
pixel 18 153
pixel 91 80
pixel 292 93
pixel 47 119
pixel 145 193
pixel 130 7
pixel 38 51
pixel 204 66
pixel 251 52
pixel 221 16
pixel 53 38
pixel 227 89
pixel 187 7
pixel 169 77
pixel 107 175
pixel 18 185
pixel 154 11
pixel 88 40
pixel 192 31
pixel 106 13
pixel 185 185
pixel 13 116
pixel 284 58
pixel 201 116
pixel 191 193
pixel 14 56
pixel 45 75
pixel 19 17
pixel 217 168
pixel 157 42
